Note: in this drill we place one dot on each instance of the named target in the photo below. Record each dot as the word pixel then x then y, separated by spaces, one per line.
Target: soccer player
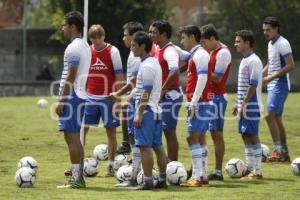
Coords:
pixel 105 76
pixel 220 62
pixel 276 76
pixel 147 120
pixel 77 58
pixel 133 64
pixel 199 103
pixel 171 93
pixel 249 102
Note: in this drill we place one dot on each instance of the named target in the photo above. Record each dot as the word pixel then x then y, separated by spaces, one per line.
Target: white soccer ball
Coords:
pixel 101 152
pixel 90 167
pixel 176 173
pixel 28 161
pixel 25 177
pixel 42 103
pixel 265 152
pixel 140 177
pixel 124 173
pixel 295 166
pixel 235 168
pixel 120 160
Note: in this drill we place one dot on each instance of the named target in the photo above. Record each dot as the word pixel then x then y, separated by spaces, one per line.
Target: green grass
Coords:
pixel 27 130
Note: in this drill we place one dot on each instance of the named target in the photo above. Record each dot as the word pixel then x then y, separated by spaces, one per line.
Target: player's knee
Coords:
pixel 269 116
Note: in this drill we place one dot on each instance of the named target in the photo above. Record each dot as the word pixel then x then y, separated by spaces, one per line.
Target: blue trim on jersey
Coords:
pixel 253 82
pixel 118 71
pixel 218 74
pixel 274 41
pixel 173 69
pixel 202 72
pixel 74 60
pixel 148 87
pixel 287 54
pixel 246 56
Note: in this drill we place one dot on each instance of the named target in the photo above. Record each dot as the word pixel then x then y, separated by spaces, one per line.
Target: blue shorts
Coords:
pixel 200 122
pixel 170 112
pixel 100 108
pixel 70 120
pixel 219 109
pixel 249 125
pixel 130 117
pixel 276 99
pixel 150 132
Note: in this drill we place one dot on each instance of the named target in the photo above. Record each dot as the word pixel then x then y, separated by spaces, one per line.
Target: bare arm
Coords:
pixel 265 70
pixel 171 78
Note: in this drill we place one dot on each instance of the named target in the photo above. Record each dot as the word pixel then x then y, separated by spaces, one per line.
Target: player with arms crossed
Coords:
pixel 147 120
pixel 249 102
pixel 105 76
pixel 171 94
pixel 77 58
pixel 199 105
pixel 276 76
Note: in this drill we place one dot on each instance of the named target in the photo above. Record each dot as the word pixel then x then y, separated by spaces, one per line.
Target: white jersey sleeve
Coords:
pixel 116 60
pixel 284 48
pixel 73 56
pixel 223 59
pixel 183 55
pixel 148 75
pixel 201 59
pixel 171 56
pixel 254 72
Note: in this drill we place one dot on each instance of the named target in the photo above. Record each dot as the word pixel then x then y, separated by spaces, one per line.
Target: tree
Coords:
pixel 232 15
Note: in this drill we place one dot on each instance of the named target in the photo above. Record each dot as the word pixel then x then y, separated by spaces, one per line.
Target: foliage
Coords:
pixel 232 15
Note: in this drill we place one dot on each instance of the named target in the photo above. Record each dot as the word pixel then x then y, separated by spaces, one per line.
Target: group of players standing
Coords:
pixel 91 87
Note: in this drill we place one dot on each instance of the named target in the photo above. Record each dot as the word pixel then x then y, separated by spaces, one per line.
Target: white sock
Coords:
pixel 196 155
pixel 136 160
pixel 204 150
pixel 278 146
pixel 249 156
pixel 257 158
pixel 76 172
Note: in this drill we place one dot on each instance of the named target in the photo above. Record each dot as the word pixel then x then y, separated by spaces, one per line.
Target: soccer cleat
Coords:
pixel 192 182
pixel 215 177
pixel 252 176
pixel 204 181
pixel 110 171
pixel 189 173
pixel 278 157
pixel 124 149
pixel 68 172
pixel 145 186
pixel 161 185
pixel 73 184
pixel 131 183
pixel 246 173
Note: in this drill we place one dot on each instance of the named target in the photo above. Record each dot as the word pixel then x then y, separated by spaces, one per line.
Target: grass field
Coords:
pixel 27 130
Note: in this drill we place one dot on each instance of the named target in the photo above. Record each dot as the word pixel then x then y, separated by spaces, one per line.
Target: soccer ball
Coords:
pixel 265 152
pixel 124 173
pixel 101 152
pixel 28 161
pixel 140 177
pixel 235 168
pixel 25 177
pixel 42 103
pixel 295 166
pixel 176 173
pixel 90 167
pixel 120 160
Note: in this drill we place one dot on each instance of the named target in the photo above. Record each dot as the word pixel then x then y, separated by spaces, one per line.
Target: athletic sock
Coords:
pixel 249 156
pixel 136 160
pixel 277 146
pixel 162 176
pixel 76 172
pixel 204 150
pixel 218 172
pixel 196 155
pixel 257 158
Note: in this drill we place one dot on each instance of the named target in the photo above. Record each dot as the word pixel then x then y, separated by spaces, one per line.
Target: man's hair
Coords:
pixel 142 37
pixel 133 27
pixel 191 30
pixel 96 31
pixel 246 35
pixel 76 18
pixel 163 26
pixel 208 31
pixel 272 21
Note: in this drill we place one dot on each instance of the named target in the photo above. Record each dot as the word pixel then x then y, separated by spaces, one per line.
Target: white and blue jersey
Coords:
pixel 77 54
pixel 149 78
pixel 278 50
pixel 250 73
pixel 133 64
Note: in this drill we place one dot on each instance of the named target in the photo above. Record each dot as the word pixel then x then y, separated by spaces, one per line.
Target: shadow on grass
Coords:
pixel 170 189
